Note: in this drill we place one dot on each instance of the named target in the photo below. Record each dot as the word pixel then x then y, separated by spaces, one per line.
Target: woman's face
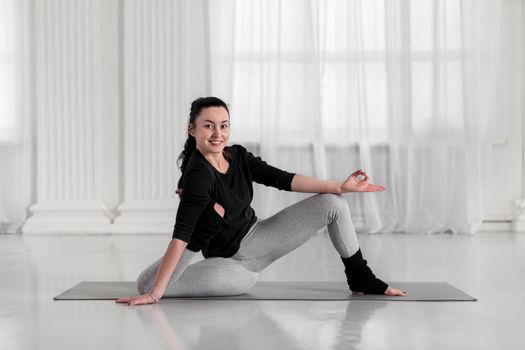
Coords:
pixel 211 130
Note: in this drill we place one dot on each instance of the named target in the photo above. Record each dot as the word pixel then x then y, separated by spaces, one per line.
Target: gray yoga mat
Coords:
pixel 281 290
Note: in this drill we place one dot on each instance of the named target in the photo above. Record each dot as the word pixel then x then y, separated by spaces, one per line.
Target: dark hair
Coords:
pixel 189 147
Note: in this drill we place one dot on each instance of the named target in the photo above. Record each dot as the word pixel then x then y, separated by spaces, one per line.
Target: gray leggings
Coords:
pixel 266 241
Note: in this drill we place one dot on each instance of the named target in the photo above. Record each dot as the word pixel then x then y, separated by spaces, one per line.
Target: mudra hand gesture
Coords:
pixel 353 184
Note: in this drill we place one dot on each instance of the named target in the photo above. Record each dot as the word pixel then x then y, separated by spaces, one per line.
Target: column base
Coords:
pixel 68 217
pixel 518 214
pixel 146 216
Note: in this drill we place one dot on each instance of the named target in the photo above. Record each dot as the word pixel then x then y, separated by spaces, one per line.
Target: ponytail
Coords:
pixel 189 147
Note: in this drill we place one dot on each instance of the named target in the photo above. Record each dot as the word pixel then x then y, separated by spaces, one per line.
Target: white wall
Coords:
pixel 504 180
pixel 107 139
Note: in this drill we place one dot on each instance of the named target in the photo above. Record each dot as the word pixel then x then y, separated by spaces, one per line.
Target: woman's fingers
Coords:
pixel 364 187
pixel 353 183
pixel 374 188
pixel 126 299
pixel 136 300
pixel 142 300
pixel 357 173
pixel 361 172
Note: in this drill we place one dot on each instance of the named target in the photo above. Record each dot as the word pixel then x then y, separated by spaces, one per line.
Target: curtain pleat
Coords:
pixel 399 88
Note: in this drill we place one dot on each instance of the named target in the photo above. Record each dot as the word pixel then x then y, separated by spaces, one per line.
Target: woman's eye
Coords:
pixel 225 126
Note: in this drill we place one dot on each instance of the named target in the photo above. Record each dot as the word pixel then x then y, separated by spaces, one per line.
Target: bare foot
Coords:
pixel 389 291
pixel 395 292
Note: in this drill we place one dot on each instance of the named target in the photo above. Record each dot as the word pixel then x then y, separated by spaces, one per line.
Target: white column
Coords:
pixel 163 72
pixel 518 206
pixel 76 109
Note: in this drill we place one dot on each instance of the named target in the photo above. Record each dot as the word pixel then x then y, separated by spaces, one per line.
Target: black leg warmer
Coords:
pixel 359 276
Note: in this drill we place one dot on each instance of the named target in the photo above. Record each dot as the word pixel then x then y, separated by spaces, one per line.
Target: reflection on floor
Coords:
pixel 489 266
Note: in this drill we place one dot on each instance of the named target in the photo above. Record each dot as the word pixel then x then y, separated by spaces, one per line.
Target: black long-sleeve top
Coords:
pixel 199 224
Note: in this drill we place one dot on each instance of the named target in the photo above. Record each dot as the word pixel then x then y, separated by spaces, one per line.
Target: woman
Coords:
pixel 214 216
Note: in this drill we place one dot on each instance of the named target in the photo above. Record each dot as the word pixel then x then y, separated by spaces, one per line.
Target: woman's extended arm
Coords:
pixel 166 268
pixel 303 183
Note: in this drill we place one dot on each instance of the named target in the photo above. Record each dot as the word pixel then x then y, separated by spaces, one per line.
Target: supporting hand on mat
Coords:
pixel 144 299
pixel 353 184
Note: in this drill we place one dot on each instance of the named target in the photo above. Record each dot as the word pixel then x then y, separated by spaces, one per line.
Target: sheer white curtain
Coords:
pixel 15 113
pixel 400 88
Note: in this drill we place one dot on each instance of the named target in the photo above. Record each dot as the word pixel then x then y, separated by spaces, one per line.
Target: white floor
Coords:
pixel 489 266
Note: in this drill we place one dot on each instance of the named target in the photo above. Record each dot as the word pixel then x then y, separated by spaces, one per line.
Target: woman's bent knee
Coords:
pixel 144 282
pixel 141 284
pixel 249 282
pixel 213 277
pixel 332 200
pixel 231 280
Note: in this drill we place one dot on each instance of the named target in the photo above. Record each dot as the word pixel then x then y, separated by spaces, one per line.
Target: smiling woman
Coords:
pixel 212 132
pixel 209 132
pixel 215 217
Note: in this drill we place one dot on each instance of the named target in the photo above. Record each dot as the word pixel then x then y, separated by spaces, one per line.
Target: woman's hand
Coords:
pixel 144 299
pixel 353 184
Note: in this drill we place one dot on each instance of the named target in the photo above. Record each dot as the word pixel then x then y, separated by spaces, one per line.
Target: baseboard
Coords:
pixel 494 226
